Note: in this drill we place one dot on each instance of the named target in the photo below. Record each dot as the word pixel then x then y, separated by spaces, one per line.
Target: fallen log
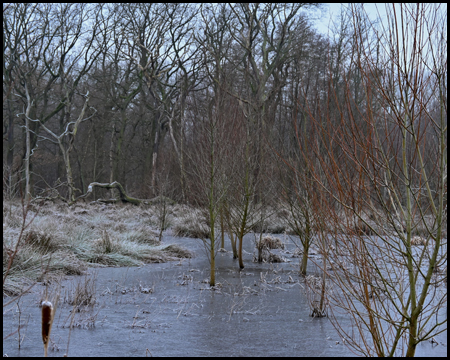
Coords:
pixel 114 185
pixel 124 197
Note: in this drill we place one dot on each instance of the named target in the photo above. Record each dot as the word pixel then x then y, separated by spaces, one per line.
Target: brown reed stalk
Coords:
pixel 47 321
pixel 48 314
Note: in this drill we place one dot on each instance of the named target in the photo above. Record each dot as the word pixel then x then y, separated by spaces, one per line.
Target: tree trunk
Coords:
pixel 155 157
pixel 27 159
pixel 241 261
pixel 233 245
pixel 304 262
pixel 28 146
pixel 178 152
pixel 306 244
pixel 212 279
pixel 112 166
pixel 222 230
pixel 70 185
pixel 10 135
pixel 230 231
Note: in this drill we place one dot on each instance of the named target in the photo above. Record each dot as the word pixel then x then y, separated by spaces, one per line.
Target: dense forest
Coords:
pixel 131 93
pixel 155 96
pixel 240 109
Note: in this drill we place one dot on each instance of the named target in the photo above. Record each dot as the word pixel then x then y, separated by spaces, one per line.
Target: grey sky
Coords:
pixel 332 10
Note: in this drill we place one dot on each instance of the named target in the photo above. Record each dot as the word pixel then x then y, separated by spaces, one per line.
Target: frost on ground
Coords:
pixel 65 240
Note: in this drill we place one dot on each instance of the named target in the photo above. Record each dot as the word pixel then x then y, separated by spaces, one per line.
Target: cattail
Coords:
pixel 47 320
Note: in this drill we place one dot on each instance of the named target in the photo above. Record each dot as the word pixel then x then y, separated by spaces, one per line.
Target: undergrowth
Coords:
pixel 63 240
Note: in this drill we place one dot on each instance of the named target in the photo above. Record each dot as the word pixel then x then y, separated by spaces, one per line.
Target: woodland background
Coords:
pixel 150 95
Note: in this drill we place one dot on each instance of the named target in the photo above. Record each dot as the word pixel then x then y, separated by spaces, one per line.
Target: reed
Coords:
pixel 48 314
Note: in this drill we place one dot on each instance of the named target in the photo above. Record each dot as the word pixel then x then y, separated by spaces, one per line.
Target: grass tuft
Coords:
pixel 83 294
pixel 191 223
pixel 63 240
pixel 44 243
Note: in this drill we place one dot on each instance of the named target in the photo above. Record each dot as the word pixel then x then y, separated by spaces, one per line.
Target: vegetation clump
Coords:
pixel 264 245
pixel 315 290
pixel 41 241
pixel 270 242
pixel 191 223
pixel 418 241
pixel 82 293
pixel 64 241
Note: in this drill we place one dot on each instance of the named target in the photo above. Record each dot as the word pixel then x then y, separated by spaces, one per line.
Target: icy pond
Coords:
pixel 168 310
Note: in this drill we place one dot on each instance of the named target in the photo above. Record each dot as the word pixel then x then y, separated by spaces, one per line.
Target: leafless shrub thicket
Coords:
pixel 381 178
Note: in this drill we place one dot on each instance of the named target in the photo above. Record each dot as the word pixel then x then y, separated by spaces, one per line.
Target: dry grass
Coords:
pixel 143 235
pixel 190 223
pixel 313 288
pixel 264 245
pixel 43 242
pixel 418 241
pixel 374 222
pixel 270 242
pixel 63 240
pixel 270 221
pixel 177 251
pixel 104 244
pixel 82 293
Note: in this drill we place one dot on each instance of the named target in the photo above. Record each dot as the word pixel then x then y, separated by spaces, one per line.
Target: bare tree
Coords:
pixel 20 39
pixel 264 34
pixel 166 59
pixel 382 175
pixel 53 56
pixel 207 168
pixel 69 133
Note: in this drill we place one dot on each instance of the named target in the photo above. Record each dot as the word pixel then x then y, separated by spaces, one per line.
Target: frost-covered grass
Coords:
pixel 189 222
pixel 66 240
pixel 63 240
